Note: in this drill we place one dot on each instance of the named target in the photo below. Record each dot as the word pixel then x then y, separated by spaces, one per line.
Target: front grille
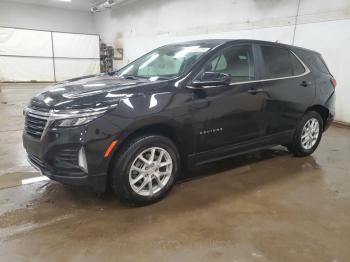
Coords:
pixel 35 122
pixel 66 162
pixel 68 156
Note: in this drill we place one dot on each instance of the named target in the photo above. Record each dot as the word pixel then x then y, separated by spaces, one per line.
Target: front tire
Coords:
pixel 146 169
pixel 307 135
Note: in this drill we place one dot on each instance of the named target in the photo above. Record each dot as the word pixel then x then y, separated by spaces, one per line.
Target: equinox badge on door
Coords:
pixel 210 131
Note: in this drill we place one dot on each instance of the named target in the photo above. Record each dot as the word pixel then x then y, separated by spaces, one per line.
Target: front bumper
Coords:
pixel 56 154
pixel 44 170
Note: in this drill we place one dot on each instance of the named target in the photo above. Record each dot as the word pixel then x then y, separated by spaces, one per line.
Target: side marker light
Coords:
pixel 110 148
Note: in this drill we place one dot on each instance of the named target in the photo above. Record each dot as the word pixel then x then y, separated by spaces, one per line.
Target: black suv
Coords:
pixel 180 105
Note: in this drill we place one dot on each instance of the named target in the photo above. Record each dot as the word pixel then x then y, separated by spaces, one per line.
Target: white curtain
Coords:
pixel 27 55
pixel 67 68
pixel 22 42
pixel 25 69
pixel 69 49
pixel 76 45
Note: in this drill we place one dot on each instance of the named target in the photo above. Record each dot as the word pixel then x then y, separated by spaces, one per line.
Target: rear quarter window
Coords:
pixel 277 62
pixel 280 62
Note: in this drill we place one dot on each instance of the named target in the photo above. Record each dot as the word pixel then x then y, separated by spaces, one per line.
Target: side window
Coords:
pixel 222 64
pixel 236 61
pixel 277 62
pixel 280 62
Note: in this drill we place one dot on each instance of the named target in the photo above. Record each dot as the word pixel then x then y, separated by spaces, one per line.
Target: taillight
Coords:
pixel 333 82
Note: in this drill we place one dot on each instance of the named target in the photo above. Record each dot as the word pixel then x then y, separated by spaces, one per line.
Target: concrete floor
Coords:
pixel 266 206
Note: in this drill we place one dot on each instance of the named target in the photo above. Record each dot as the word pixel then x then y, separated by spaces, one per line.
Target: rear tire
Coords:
pixel 145 170
pixel 307 135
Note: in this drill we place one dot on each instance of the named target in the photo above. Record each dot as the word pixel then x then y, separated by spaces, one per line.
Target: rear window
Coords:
pixel 280 62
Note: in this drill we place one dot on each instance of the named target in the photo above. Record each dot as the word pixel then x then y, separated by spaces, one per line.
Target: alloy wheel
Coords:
pixel 150 171
pixel 310 133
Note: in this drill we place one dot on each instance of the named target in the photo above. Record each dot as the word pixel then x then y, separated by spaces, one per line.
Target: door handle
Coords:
pixel 255 91
pixel 305 83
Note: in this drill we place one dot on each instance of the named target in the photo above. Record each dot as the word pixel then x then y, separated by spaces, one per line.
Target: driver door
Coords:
pixel 230 114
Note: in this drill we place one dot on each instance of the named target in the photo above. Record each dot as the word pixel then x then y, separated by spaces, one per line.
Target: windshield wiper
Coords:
pixel 111 73
pixel 163 78
pixel 131 77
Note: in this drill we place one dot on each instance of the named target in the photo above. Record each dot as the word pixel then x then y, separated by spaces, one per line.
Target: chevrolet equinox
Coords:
pixel 180 105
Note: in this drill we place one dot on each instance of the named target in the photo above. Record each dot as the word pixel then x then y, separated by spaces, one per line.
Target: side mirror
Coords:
pixel 212 79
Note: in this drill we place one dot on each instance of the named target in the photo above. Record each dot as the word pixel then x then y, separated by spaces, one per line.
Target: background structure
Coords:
pixel 139 26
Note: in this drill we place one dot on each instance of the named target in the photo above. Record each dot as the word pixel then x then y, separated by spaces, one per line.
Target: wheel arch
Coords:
pixel 322 110
pixel 161 128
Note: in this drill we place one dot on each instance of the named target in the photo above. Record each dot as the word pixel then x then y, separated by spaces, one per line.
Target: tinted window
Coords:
pixel 277 62
pixel 236 61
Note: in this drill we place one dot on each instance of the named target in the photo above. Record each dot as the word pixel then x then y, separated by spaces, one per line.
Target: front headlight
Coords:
pixel 77 117
pixel 73 121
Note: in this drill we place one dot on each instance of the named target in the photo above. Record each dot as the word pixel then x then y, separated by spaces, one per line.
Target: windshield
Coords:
pixel 164 63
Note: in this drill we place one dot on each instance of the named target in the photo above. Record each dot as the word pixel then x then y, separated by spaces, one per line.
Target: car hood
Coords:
pixel 92 91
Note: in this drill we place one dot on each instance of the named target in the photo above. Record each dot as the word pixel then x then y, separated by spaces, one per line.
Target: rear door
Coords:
pixel 289 87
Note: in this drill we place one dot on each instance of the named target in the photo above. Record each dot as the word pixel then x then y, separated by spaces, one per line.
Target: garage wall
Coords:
pixel 155 22
pixel 32 55
pixel 56 19
pixel 27 55
pixel 317 24
pixel 332 40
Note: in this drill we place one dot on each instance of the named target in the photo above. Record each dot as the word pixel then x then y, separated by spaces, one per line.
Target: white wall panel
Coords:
pixel 332 40
pixel 25 69
pixel 70 68
pixel 25 42
pixel 76 45
pixel 16 45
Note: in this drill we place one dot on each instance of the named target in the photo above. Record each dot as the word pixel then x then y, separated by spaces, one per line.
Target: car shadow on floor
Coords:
pixel 242 173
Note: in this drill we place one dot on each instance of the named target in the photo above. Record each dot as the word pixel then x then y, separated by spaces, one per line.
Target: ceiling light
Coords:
pixel 105 4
